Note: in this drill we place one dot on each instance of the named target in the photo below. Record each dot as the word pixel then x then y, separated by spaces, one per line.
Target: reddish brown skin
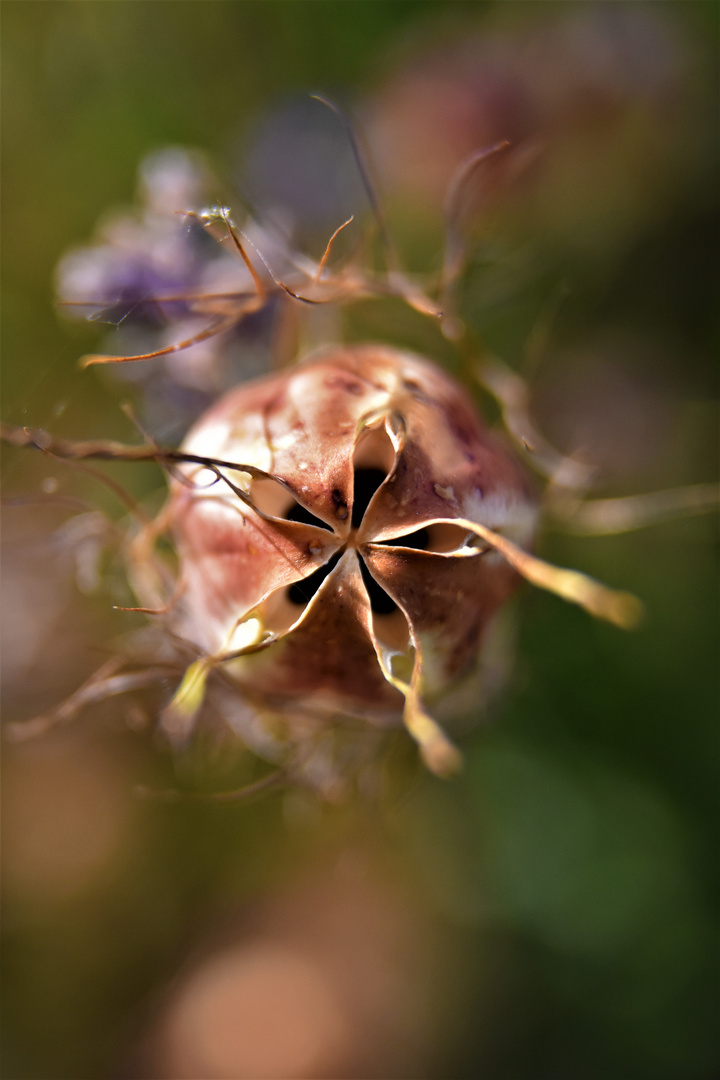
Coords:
pixel 429 586
pixel 330 655
pixel 231 558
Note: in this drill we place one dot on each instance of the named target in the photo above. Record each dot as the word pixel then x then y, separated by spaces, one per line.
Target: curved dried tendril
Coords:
pixel 102 684
pixel 608 517
pixel 511 393
pixel 392 260
pixel 218 326
pixel 621 608
pixel 455 247
pixel 274 780
pixel 326 254
pixel 437 751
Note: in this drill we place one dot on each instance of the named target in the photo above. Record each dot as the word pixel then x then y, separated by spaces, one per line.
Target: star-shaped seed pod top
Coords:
pixel 340 572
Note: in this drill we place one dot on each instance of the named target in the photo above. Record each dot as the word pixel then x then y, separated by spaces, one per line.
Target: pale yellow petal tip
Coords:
pixel 620 608
pixel 176 719
pixel 442 758
pixel 436 750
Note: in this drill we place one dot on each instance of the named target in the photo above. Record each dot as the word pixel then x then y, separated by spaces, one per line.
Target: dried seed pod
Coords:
pixel 341 573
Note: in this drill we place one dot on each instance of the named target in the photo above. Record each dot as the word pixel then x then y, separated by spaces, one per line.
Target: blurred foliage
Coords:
pixel 561 896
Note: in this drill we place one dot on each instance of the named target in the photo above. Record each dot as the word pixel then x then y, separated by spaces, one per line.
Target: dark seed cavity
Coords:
pixel 274 499
pixel 302 592
pixel 366 483
pixel 380 602
pixel 419 540
pixel 299 513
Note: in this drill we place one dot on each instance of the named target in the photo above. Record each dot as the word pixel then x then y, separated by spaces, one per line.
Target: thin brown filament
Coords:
pixel 608 517
pixel 177 298
pixel 218 326
pixel 454 243
pixel 268 783
pixel 109 450
pixel 328 249
pixel 259 284
pixel 165 609
pixel 392 261
pixel 109 483
pixel 102 684
pixel 286 288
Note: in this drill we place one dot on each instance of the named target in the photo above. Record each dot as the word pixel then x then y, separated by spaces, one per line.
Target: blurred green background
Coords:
pixel 552 913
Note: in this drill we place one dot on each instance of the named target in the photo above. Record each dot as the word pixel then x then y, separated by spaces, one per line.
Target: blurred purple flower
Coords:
pixel 158 277
pixel 142 257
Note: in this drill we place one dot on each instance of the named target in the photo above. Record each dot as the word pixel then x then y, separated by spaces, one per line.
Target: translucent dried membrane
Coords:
pixel 357 566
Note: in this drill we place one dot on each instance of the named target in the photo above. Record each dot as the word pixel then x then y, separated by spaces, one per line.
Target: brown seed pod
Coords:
pixel 342 574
